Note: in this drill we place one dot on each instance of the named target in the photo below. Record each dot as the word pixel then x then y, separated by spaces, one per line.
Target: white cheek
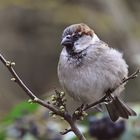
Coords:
pixel 82 43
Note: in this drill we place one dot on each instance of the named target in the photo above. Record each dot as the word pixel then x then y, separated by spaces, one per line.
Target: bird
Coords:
pixel 88 68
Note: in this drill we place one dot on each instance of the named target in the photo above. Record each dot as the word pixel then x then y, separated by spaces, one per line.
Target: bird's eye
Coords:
pixel 76 36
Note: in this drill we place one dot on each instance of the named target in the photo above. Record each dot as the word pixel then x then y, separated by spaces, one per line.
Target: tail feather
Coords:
pixel 118 108
pixel 112 111
pixel 122 110
pixel 129 110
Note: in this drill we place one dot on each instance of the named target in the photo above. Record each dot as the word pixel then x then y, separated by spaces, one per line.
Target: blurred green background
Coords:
pixel 30 35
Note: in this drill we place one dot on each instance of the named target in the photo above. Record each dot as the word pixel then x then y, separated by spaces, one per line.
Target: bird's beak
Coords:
pixel 67 41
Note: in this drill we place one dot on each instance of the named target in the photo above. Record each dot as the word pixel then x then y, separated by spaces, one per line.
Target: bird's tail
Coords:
pixel 117 108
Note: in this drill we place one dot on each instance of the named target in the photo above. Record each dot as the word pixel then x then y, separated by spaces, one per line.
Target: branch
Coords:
pixel 65 131
pixel 132 76
pixel 16 79
pixel 96 103
pixel 59 107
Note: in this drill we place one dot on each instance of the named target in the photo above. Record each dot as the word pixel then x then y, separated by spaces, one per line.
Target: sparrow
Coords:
pixel 88 68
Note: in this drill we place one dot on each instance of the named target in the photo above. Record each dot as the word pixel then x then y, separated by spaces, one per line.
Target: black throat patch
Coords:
pixel 76 57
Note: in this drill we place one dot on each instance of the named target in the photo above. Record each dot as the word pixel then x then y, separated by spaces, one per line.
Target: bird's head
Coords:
pixel 77 37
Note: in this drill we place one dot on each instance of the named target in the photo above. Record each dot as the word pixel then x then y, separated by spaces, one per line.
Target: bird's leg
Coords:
pixel 109 96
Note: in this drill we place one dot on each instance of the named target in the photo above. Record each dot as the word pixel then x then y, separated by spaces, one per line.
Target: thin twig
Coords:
pixel 132 76
pixel 65 131
pixel 95 103
pixel 17 79
pixel 35 99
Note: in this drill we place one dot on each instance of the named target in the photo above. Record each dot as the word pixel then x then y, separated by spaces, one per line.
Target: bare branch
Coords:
pixel 17 79
pixel 65 131
pixel 132 76
pixel 96 103
pixel 60 108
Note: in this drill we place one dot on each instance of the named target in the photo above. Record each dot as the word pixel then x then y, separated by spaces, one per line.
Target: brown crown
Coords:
pixel 84 29
pixel 78 28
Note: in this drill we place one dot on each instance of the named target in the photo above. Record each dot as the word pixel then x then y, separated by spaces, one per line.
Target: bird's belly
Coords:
pixel 83 86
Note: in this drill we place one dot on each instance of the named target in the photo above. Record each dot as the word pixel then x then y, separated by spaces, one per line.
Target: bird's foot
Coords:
pixel 109 96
